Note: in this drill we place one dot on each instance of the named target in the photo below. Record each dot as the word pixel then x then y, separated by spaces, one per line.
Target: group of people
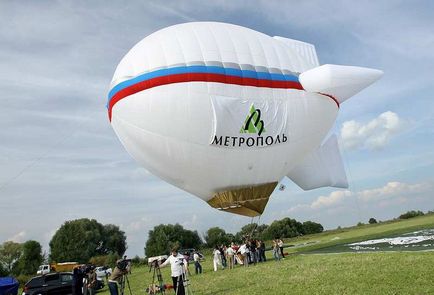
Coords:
pixel 250 252
pixel 84 280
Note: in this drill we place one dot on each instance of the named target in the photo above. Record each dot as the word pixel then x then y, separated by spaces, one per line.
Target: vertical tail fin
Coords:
pixel 324 167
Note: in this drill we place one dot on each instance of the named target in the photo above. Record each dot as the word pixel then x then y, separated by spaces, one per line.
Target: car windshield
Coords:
pixel 52 279
pixel 66 278
pixel 35 282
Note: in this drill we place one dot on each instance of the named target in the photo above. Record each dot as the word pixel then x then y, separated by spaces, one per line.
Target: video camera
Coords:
pixel 124 264
pixel 156 260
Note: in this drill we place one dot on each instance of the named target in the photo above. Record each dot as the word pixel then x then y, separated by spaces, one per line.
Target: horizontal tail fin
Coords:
pixel 322 168
pixel 340 82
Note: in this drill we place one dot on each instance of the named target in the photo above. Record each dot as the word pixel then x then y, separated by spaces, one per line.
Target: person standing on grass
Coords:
pixel 197 266
pixel 235 247
pixel 230 257
pixel 222 249
pixel 262 252
pixel 276 250
pixel 216 258
pixel 244 250
pixel 253 252
pixel 178 267
pixel 280 244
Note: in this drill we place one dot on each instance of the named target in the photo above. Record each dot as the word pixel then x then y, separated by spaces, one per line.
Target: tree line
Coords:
pixel 88 241
pixel 165 236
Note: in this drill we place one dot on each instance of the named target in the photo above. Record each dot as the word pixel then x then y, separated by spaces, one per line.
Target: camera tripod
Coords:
pixel 185 281
pixel 125 280
pixel 154 288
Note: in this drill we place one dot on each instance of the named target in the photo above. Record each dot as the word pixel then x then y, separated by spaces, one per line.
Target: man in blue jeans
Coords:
pixel 116 278
pixel 197 266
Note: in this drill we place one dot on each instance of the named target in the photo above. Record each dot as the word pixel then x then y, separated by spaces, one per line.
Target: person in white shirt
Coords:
pixel 230 255
pixel 197 266
pixel 178 268
pixel 217 258
pixel 280 244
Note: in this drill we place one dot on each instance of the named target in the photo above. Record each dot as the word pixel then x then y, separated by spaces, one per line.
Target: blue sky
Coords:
pixel 61 160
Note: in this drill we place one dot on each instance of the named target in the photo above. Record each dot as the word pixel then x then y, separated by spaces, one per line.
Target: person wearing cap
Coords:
pixel 178 268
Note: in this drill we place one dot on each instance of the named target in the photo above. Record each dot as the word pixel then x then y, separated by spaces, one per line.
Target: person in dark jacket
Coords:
pixel 77 280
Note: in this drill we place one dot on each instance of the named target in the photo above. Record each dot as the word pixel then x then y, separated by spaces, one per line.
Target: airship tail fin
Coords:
pixel 322 168
pixel 307 58
pixel 339 82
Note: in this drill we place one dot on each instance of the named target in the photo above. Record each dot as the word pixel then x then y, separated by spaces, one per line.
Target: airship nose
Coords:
pixel 341 82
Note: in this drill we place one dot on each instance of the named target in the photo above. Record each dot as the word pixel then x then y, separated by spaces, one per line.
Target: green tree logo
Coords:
pixel 253 122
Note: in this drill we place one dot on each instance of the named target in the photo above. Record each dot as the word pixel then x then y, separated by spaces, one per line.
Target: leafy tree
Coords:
pixel 284 228
pixel 411 214
pixel 30 259
pixel 79 240
pixel 216 236
pixel 115 240
pixel 252 229
pixel 10 252
pixel 3 271
pixel 372 220
pixel 165 236
pixel 310 227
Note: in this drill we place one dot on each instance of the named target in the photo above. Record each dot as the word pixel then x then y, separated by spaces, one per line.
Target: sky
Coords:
pixel 60 159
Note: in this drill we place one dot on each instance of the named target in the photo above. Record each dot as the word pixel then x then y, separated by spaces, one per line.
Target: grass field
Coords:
pixel 358 233
pixel 304 273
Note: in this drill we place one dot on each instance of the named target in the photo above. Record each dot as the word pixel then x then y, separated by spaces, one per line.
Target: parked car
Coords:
pixel 103 271
pixel 53 283
pixel 59 283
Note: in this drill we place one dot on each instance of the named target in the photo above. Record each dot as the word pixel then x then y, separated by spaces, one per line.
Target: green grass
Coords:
pixel 348 273
pixel 358 233
pixel 351 273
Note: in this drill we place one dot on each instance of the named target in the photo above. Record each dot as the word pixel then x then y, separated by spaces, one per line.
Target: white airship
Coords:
pixel 225 112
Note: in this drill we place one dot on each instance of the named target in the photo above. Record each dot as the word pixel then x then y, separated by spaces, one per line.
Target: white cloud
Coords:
pixel 372 135
pixel 333 199
pixel 392 189
pixel 19 237
pixel 140 225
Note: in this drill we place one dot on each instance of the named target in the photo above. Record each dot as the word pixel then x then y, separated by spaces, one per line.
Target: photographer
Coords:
pixel 178 266
pixel 122 268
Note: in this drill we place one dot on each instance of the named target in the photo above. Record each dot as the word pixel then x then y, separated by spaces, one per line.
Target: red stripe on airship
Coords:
pixel 199 77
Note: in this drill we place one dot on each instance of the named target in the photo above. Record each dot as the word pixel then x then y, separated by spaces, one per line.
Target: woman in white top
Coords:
pixel 216 258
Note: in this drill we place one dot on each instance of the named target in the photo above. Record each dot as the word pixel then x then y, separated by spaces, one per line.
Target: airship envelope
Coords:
pixel 225 112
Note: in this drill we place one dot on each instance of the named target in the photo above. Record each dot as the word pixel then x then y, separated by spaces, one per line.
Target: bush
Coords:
pixel 360 224
pixel 310 227
pixel 372 220
pixel 410 214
